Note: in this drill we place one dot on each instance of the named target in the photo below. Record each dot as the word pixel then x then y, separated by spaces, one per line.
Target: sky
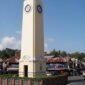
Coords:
pixel 64 24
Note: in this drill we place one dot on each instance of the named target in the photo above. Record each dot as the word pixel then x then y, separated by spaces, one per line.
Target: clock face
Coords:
pixel 39 8
pixel 27 8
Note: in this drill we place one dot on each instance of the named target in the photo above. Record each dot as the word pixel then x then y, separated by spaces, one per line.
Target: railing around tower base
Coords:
pixel 61 80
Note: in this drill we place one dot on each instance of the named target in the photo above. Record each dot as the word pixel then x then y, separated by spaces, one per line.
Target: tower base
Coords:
pixel 31 68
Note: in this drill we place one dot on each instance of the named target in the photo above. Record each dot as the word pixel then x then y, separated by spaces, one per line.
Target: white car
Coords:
pixel 48 74
pixel 84 74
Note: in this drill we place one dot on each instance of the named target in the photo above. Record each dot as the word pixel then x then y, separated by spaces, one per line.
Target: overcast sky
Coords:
pixel 64 24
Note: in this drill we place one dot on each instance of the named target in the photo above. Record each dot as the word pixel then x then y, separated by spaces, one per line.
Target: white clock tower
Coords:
pixel 32 60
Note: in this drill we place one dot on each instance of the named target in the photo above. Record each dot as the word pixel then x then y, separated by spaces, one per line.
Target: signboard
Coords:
pixel 56 66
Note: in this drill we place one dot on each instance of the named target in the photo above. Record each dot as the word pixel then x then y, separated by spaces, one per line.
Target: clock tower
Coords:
pixel 32 62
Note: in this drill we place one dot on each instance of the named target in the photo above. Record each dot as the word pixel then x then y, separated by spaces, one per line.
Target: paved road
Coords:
pixel 76 80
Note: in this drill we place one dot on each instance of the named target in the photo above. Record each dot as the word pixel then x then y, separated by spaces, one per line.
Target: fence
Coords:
pixel 46 81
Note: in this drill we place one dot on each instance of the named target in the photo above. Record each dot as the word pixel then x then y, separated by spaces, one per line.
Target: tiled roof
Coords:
pixel 58 59
pixel 1 60
pixel 13 59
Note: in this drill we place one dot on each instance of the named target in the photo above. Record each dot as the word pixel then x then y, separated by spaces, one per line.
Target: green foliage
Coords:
pixel 8 76
pixel 58 53
pixel 63 53
pixel 7 53
pixel 35 77
pixel 54 52
pixel 77 55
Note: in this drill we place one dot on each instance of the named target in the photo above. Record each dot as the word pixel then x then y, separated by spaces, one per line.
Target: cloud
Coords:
pixel 49 43
pixel 1 47
pixel 14 43
pixel 9 42
pixel 18 32
pixel 51 40
pixel 45 45
pixel 6 41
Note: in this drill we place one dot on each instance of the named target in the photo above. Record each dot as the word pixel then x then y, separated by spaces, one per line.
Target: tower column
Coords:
pixel 32 45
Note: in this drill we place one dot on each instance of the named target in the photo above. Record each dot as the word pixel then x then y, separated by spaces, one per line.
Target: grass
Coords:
pixel 35 77
pixel 8 75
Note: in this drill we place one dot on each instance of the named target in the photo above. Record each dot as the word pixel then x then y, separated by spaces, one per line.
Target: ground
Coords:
pixel 76 80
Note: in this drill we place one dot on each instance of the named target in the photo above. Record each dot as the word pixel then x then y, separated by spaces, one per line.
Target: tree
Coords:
pixel 54 53
pixel 79 56
pixel 7 53
pixel 63 53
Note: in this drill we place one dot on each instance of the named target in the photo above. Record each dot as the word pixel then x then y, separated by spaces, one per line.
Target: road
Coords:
pixel 76 80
